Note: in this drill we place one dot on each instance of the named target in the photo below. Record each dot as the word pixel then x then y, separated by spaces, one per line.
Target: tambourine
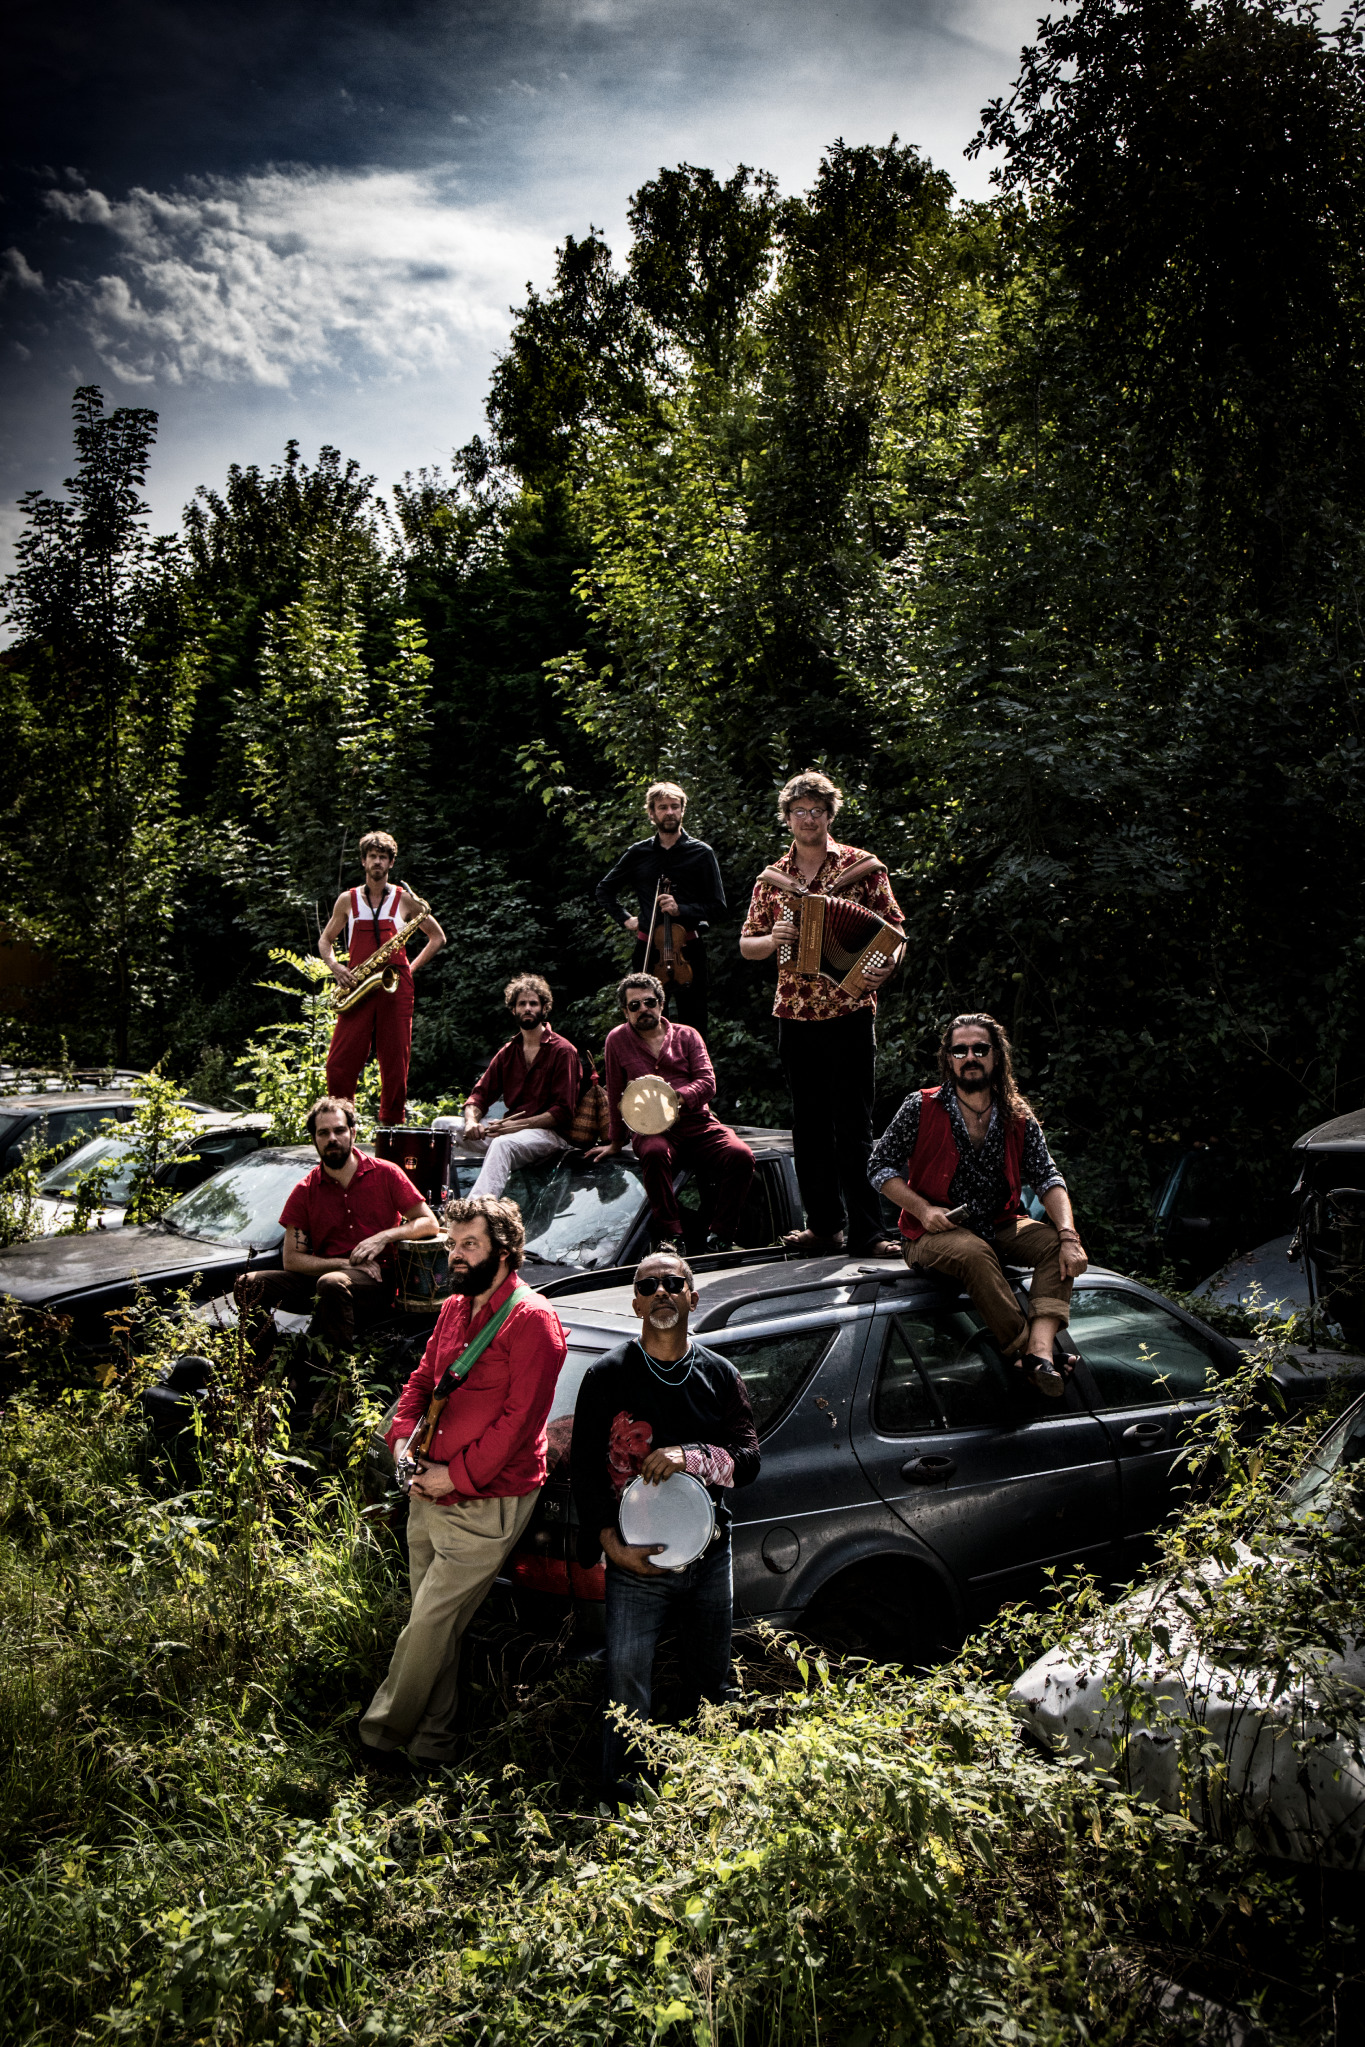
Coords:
pixel 679 1512
pixel 650 1105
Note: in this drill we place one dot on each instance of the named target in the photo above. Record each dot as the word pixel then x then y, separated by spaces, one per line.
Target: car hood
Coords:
pixel 55 1266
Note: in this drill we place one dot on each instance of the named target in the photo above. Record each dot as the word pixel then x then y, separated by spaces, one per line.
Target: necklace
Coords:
pixel 686 1361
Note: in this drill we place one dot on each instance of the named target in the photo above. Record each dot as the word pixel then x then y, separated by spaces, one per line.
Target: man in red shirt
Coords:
pixel 536 1076
pixel 476 1482
pixel 340 1223
pixel 648 1043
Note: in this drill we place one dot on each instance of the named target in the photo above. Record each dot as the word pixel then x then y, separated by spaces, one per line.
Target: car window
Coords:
pixel 964 1371
pixel 775 1368
pixel 115 1153
pixel 577 1214
pixel 242 1203
pixel 1139 1354
pixel 901 1403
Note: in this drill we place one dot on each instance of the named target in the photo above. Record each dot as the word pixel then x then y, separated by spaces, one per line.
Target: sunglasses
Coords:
pixel 671 1282
pixel 968 1051
pixel 645 1002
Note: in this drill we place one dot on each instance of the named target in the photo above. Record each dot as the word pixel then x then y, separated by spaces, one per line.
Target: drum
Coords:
pixel 423 1275
pixel 424 1155
pixel 650 1105
pixel 680 1512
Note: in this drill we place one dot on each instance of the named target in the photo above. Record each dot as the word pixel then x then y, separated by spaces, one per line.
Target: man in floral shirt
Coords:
pixel 659 1404
pixel 826 1037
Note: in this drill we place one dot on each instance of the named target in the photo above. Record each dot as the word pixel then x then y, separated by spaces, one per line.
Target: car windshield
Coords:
pixel 241 1205
pixel 577 1214
pixel 1344 1447
pixel 113 1153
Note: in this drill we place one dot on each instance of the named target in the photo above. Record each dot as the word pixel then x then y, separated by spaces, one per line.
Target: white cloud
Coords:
pixel 16 269
pixel 262 278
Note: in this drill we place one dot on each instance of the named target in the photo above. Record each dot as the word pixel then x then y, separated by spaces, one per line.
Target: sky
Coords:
pixel 266 219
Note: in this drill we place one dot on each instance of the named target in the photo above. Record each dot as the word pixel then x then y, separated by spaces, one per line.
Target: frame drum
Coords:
pixel 423 1275
pixel 424 1155
pixel 650 1105
pixel 680 1512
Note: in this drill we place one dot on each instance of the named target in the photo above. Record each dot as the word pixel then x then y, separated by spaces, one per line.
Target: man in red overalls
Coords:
pixel 382 1023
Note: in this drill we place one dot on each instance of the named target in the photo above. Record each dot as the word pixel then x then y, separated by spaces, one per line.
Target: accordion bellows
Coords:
pixel 841 940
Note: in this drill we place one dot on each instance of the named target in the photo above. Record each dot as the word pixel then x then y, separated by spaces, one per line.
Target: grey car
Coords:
pixel 911 1482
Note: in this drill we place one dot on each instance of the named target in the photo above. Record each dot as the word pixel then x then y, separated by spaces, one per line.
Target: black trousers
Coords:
pixel 686 1000
pixel 830 1070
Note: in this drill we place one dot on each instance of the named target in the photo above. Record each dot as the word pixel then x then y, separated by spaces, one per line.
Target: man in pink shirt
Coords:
pixel 648 1043
pixel 476 1482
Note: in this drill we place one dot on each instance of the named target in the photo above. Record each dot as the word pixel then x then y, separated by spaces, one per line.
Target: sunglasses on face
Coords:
pixel 671 1282
pixel 969 1051
pixel 645 1002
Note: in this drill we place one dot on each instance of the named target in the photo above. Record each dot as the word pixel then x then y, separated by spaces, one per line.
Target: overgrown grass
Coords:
pixel 847 1855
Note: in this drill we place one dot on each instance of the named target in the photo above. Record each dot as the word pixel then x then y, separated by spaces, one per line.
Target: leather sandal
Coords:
pixel 1042 1375
pixel 806 1244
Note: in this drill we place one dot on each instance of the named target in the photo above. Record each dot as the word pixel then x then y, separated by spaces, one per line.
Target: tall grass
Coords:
pixel 190 1855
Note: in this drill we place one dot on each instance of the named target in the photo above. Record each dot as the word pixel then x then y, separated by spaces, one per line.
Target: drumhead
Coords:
pixel 650 1105
pixel 423 1274
pixel 680 1512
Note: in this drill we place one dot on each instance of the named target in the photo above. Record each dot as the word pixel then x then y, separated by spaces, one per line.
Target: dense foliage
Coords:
pixel 1036 522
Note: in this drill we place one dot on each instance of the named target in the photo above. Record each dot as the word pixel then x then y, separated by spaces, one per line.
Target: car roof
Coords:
pixel 605 1300
pixel 1342 1133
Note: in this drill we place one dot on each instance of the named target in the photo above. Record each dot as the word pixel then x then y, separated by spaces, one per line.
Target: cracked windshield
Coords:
pixel 241 1205
pixel 577 1214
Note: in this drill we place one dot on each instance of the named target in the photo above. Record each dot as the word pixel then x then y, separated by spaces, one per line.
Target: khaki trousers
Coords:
pixel 966 1258
pixel 454 1554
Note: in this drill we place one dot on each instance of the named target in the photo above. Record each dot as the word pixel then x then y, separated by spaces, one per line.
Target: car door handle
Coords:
pixel 1149 1434
pixel 924 1470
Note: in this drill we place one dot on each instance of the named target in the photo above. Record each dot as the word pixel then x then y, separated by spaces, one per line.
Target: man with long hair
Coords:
pixel 954 1159
pixel 497 1346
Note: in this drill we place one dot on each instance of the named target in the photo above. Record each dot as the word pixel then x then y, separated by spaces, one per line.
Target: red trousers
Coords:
pixel 708 1149
pixel 383 1025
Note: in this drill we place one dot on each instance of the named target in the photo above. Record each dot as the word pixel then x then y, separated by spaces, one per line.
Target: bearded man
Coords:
pixel 536 1076
pixel 954 1159
pixel 477 1481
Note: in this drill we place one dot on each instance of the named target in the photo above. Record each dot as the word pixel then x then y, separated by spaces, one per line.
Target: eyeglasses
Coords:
pixel 809 816
pixel 969 1051
pixel 645 1002
pixel 671 1282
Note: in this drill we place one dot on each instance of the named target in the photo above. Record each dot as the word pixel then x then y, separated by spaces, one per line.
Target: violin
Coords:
pixel 664 955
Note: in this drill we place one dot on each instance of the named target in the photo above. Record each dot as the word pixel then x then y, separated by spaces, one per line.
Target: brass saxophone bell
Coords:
pixel 389 980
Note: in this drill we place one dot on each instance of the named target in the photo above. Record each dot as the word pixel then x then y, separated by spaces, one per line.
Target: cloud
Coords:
pixel 16 269
pixel 287 272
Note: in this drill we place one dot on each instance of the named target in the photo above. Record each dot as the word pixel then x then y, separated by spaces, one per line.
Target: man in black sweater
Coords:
pixel 654 1406
pixel 695 895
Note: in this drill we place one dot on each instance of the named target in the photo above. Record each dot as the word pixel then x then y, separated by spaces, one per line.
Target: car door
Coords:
pixel 997 1480
pixel 1144 1372
pixel 811 1492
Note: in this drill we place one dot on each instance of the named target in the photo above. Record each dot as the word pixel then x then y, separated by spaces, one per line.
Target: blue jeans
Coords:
pixel 638 1610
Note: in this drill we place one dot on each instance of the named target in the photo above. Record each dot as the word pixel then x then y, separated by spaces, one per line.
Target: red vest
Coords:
pixel 932 1164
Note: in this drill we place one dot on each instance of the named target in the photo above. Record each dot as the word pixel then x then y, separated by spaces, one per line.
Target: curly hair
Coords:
pixel 379 842
pixel 810 783
pixel 502 1220
pixel 1003 1084
pixel 537 986
pixel 340 1103
pixel 640 981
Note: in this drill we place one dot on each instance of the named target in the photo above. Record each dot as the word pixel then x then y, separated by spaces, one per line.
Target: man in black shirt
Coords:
pixel 654 1406
pixel 695 896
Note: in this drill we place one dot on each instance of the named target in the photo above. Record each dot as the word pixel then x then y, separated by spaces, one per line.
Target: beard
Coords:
pixel 644 1020
pixel 335 1154
pixel 476 1279
pixel 973 1082
pixel 665 1314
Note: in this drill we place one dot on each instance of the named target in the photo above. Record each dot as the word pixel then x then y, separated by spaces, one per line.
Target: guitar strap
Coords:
pixel 459 1368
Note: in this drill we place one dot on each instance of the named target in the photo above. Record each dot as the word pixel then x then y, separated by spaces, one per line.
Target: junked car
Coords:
pixel 911 1481
pixel 107 1165
pixel 1164 1691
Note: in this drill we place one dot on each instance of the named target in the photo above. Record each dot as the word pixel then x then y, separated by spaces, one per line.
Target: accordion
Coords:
pixel 836 938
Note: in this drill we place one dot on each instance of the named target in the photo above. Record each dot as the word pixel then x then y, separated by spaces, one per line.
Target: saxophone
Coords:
pixel 375 972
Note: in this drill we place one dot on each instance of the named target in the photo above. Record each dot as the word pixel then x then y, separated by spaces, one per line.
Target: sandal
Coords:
pixel 1042 1375
pixel 806 1244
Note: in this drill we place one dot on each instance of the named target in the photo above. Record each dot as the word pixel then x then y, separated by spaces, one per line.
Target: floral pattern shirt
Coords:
pixel 980 1181
pixel 810 998
pixel 629 1442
